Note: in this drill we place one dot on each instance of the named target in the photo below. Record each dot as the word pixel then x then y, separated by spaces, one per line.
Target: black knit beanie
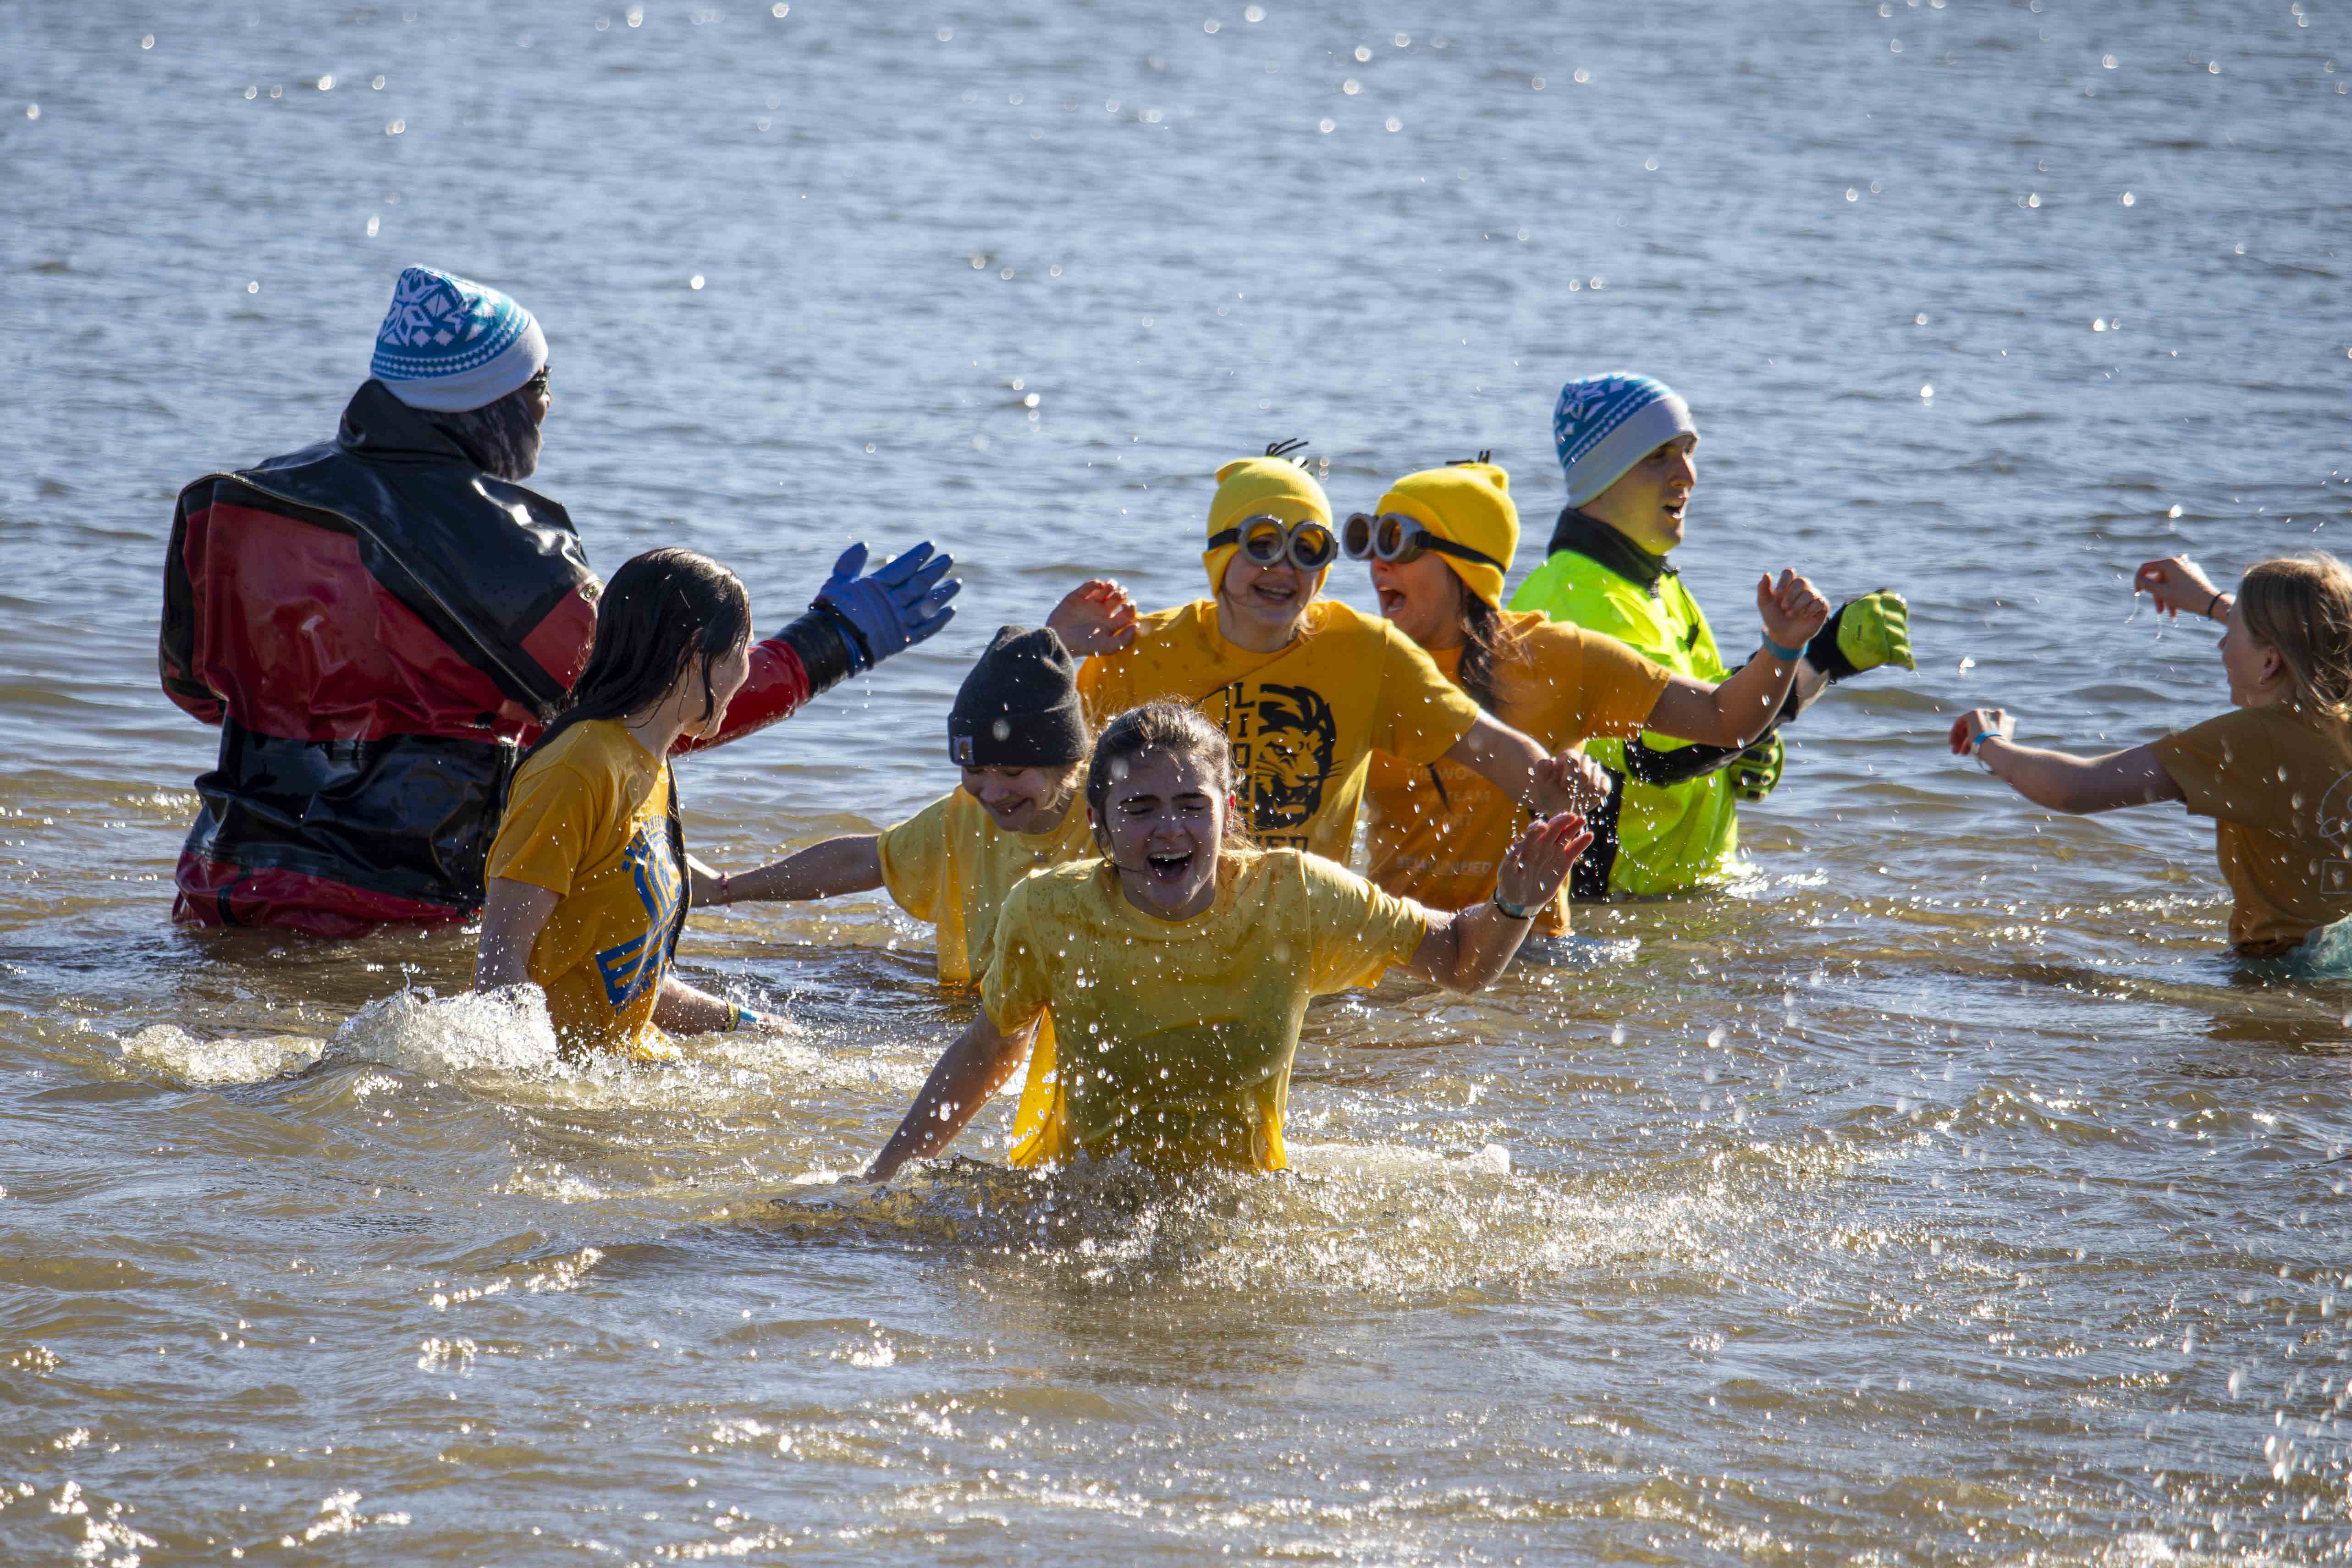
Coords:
pixel 1019 707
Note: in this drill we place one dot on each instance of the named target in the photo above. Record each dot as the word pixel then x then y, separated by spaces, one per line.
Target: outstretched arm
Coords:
pixel 972 1069
pixel 1512 762
pixel 825 870
pixel 2059 780
pixel 1464 951
pixel 1735 712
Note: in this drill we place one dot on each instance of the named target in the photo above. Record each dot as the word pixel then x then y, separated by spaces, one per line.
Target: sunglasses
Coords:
pixel 1393 537
pixel 1264 540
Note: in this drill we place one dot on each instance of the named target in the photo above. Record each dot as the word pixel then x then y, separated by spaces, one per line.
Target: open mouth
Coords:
pixel 1390 602
pixel 1282 595
pixel 1675 509
pixel 1170 869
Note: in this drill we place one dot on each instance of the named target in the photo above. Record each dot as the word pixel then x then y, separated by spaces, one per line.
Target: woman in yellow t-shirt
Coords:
pixel 1439 544
pixel 587 877
pixel 1175 969
pixel 2275 775
pixel 1018 734
pixel 1306 688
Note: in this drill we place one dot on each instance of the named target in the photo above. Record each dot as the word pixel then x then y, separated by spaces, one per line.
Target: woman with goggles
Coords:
pixel 1306 689
pixel 1439 544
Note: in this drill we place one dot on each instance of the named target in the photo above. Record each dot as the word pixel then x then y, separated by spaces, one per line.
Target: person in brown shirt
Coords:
pixel 2275 775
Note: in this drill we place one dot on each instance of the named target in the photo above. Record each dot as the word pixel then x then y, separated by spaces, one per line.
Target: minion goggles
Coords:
pixel 1265 540
pixel 1394 536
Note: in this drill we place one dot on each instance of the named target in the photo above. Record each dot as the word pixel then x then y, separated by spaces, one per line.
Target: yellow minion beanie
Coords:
pixel 1466 503
pixel 1270 487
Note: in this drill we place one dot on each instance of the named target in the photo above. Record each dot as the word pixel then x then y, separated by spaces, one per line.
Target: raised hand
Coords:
pixel 1099 616
pixel 892 608
pixel 1573 782
pixel 1868 631
pixel 1977 723
pixel 2177 583
pixel 1530 875
pixel 1792 609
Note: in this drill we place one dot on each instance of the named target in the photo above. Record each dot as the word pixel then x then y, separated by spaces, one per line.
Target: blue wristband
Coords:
pixel 1786 655
pixel 737 1015
pixel 1982 735
pixel 1512 910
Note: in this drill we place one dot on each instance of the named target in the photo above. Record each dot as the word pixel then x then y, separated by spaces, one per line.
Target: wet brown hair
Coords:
pixel 662 611
pixel 1181 732
pixel 2302 606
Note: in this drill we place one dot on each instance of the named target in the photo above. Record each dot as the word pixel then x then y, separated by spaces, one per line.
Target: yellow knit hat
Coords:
pixel 1271 487
pixel 1468 504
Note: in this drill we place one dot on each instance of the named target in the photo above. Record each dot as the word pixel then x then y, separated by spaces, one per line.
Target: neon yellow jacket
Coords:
pixel 1669 837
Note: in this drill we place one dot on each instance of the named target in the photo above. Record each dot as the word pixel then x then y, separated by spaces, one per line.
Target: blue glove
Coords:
pixel 894 607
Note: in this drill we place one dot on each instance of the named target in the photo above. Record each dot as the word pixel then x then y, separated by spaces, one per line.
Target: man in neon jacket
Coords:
pixel 1627 447
pixel 377 623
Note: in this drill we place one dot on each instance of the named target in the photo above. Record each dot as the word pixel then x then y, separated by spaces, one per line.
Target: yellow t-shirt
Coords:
pixel 588 819
pixel 1176 1036
pixel 1304 720
pixel 951 864
pixel 1439 832
pixel 2279 785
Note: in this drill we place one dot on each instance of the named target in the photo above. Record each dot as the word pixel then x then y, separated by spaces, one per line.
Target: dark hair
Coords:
pixel 661 610
pixel 1181 732
pixel 1482 639
pixel 499 438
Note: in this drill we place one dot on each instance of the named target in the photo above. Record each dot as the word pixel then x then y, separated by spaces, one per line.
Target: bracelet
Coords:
pixel 737 1015
pixel 1512 910
pixel 1786 655
pixel 2210 604
pixel 1976 747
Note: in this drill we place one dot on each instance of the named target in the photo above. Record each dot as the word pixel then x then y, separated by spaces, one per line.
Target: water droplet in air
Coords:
pixel 1402 40
pixel 2173 511
pixel 1852 195
pixel 147 42
pixel 1582 77
pixel 374 224
pixel 1928 390
pixel 694 282
pixel 1617 1034
pixel 253 287
pixel 1351 86
pixel 947 35
pixel 1394 123
pixel 2034 198
pixel 326 84
pixel 395 128
pixel 1324 126
pixel 2098 323
pixel 33 111
pixel 2130 200
pixel 251 93
pixel 636 16
pixel 2108 61
pixel 1254 14
pixel 1209 26
pixel 2213 67
pixel 377 84
pixel 1535 83
pixel 1651 164
pixel 1362 54
pixel 1920 320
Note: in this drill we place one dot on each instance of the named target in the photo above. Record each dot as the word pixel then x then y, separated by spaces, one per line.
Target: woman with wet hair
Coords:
pixel 1175 966
pixel 587 876
pixel 2274 774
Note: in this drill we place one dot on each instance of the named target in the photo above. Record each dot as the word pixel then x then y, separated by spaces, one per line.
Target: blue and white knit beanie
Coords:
pixel 449 344
pixel 1604 424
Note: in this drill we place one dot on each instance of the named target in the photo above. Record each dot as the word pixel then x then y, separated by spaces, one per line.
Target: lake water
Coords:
pixel 1943 1196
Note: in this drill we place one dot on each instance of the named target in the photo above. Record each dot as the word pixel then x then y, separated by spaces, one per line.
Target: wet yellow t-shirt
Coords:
pixel 588 819
pixel 1175 1038
pixel 951 864
pixel 1304 720
pixel 2278 784
pixel 1439 832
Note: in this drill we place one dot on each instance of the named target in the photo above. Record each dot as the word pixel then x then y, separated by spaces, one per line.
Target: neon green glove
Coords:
pixel 1757 769
pixel 1865 633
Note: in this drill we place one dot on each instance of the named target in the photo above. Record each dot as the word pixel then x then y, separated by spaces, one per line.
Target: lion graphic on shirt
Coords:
pixel 1293 735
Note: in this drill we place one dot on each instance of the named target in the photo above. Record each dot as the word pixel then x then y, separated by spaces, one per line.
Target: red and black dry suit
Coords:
pixel 377 625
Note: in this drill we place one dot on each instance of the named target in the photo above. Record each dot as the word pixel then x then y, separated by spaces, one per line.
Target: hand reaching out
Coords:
pixel 1978 722
pixel 1531 873
pixel 1099 616
pixel 1792 609
pixel 2177 583
pixel 1573 782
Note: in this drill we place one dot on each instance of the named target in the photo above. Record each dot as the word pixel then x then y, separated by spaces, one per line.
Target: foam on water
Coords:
pixel 168 1048
pixel 469 1035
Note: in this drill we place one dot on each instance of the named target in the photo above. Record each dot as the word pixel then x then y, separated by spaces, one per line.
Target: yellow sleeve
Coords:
pixel 550 818
pixel 1359 930
pixel 1018 986
pixel 1422 714
pixel 1619 687
pixel 915 860
pixel 1101 687
pixel 2225 768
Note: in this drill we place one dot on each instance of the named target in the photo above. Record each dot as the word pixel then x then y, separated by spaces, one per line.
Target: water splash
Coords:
pixel 174 1051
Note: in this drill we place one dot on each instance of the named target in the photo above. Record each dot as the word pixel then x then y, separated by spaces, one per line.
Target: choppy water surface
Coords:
pixel 1943 1196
